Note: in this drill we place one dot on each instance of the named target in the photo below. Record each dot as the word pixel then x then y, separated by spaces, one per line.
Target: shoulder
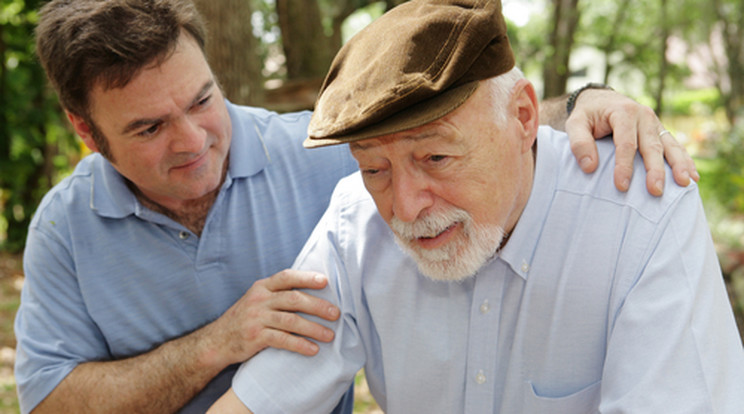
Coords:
pixel 599 185
pixel 352 212
pixel 350 194
pixel 73 193
pixel 280 136
pixel 264 119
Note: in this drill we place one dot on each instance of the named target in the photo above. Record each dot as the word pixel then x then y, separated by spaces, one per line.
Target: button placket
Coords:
pixel 485 307
pixel 480 377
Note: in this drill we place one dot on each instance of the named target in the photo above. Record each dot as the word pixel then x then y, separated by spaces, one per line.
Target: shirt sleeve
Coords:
pixel 674 345
pixel 280 381
pixel 53 329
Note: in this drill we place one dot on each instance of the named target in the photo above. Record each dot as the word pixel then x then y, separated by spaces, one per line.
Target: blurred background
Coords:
pixel 683 58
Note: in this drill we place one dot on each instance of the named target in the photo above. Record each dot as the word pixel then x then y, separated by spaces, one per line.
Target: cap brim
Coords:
pixel 413 117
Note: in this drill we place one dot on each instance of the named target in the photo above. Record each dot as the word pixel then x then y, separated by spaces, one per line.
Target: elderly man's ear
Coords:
pixel 524 105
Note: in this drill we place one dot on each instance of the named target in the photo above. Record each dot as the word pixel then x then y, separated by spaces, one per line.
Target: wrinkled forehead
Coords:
pixel 447 129
pixel 439 131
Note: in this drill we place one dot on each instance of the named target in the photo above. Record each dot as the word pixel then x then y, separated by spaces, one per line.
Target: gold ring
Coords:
pixel 666 131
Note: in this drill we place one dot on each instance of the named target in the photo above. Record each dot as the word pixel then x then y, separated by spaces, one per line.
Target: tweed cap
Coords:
pixel 413 65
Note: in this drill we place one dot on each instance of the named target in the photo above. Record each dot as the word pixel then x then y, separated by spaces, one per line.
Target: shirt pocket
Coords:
pixel 584 401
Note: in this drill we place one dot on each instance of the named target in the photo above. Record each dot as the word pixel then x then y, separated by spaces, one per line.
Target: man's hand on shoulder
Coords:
pixel 266 316
pixel 634 127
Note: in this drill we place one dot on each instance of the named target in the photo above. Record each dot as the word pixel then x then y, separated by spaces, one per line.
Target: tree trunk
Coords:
pixel 389 4
pixel 555 70
pixel 4 131
pixel 342 10
pixel 306 47
pixel 733 33
pixel 610 46
pixel 232 50
pixel 663 62
pixel 5 166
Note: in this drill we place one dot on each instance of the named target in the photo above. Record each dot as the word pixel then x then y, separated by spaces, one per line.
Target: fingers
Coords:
pixel 294 279
pixel 683 167
pixel 302 344
pixel 582 142
pixel 625 136
pixel 652 151
pixel 281 324
pixel 282 286
pixel 279 306
pixel 297 301
pixel 275 313
pixel 634 127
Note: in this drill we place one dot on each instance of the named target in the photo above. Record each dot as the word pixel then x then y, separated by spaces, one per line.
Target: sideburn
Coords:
pixel 100 139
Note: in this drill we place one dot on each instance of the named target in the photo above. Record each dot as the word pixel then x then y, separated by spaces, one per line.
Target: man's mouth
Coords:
pixel 438 234
pixel 437 240
pixel 192 163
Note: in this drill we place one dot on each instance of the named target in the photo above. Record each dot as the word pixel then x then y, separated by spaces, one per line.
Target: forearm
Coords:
pixel 160 381
pixel 552 112
pixel 166 378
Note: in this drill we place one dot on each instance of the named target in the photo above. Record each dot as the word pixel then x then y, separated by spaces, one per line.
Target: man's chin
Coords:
pixel 440 265
pixel 458 260
pixel 447 272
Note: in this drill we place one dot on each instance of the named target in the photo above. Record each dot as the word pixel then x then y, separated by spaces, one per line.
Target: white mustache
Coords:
pixel 458 259
pixel 430 225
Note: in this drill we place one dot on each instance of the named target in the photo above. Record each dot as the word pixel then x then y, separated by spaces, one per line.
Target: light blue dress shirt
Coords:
pixel 601 301
pixel 107 278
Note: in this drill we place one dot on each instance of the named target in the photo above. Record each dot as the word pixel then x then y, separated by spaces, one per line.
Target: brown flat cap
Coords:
pixel 413 65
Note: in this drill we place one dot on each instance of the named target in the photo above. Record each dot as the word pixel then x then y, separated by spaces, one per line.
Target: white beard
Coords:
pixel 456 260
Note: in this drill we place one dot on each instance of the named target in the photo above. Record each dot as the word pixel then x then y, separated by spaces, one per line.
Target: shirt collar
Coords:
pixel 110 196
pixel 519 251
pixel 249 154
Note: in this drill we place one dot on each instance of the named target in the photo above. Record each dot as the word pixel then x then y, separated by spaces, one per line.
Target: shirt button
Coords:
pixel 485 307
pixel 183 235
pixel 480 377
pixel 525 267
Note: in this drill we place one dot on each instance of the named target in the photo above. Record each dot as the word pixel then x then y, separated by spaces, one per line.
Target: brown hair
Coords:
pixel 83 42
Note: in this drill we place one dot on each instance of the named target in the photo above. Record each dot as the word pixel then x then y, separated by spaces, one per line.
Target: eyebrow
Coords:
pixel 420 136
pixel 142 122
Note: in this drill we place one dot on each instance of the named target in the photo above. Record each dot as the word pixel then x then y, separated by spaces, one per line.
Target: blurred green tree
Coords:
pixel 35 145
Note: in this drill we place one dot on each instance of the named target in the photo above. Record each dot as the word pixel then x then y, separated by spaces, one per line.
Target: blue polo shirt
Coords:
pixel 107 278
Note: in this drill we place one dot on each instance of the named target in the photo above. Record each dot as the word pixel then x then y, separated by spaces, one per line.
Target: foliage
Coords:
pixel 528 43
pixel 34 144
pixel 689 102
pixel 724 179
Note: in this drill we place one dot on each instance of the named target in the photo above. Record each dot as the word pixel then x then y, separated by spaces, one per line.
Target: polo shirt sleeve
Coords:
pixel 277 380
pixel 53 329
pixel 674 345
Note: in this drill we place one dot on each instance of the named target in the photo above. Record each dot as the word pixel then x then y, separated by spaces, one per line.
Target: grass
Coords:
pixel 11 281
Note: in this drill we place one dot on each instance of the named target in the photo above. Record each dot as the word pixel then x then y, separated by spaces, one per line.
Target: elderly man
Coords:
pixel 521 285
pixel 148 270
